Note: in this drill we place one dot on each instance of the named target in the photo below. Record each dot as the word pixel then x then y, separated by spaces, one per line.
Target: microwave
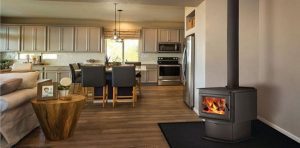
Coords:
pixel 168 47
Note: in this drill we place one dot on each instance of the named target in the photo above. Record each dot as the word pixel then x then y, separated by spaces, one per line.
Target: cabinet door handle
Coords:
pixel 7 38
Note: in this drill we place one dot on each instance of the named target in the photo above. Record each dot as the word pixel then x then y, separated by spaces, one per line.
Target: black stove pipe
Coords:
pixel 233 44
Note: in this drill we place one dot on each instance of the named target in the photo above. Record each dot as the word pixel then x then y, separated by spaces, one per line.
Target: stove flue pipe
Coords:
pixel 233 44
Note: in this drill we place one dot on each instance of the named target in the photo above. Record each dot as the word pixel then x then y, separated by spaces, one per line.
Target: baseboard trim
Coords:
pixel 279 129
pixel 196 111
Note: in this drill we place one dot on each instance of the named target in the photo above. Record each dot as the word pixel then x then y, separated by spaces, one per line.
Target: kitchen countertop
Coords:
pixel 147 63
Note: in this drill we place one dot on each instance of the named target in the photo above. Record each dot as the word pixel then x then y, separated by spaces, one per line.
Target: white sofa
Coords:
pixel 17 117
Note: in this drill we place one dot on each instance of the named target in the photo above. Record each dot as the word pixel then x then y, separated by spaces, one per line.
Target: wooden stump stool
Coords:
pixel 58 118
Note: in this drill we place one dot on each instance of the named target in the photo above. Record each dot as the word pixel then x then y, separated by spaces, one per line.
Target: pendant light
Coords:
pixel 119 37
pixel 115 34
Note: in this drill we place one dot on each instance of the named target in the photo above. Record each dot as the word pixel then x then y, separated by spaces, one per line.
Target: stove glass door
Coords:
pixel 215 106
pixel 169 70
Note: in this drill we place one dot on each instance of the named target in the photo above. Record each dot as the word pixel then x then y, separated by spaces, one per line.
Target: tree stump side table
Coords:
pixel 58 118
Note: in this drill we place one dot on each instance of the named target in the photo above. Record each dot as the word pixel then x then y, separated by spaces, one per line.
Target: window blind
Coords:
pixel 124 34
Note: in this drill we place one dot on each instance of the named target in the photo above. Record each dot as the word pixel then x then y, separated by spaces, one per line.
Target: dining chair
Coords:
pixel 94 76
pixel 79 65
pixel 124 77
pixel 76 75
pixel 138 76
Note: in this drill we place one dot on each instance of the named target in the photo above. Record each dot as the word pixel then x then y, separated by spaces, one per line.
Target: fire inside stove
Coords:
pixel 214 105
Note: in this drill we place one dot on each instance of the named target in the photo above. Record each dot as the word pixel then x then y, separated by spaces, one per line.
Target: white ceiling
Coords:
pixel 134 10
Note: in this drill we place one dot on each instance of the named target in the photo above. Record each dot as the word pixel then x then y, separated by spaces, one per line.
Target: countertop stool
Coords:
pixel 123 77
pixel 76 77
pixel 138 76
pixel 94 76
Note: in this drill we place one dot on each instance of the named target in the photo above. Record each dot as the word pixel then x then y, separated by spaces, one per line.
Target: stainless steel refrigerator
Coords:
pixel 188 72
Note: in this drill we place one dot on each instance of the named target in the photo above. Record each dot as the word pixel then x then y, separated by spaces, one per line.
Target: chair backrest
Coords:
pixel 21 67
pixel 134 63
pixel 123 76
pixel 74 74
pixel 79 65
pixel 93 76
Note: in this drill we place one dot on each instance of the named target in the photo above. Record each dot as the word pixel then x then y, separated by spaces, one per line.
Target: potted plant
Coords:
pixel 5 64
pixel 64 86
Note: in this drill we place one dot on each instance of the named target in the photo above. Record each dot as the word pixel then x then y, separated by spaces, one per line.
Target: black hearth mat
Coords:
pixel 189 135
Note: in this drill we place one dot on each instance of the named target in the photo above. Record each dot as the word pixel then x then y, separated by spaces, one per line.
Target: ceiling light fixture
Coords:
pixel 115 34
pixel 119 35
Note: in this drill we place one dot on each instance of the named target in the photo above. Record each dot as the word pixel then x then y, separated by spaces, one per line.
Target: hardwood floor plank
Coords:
pixel 123 126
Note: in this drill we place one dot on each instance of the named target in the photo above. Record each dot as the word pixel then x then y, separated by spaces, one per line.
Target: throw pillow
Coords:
pixel 9 85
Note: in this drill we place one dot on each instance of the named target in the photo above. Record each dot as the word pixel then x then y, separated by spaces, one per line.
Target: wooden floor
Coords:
pixel 123 126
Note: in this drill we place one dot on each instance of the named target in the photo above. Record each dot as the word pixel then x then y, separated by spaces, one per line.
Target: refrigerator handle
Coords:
pixel 184 62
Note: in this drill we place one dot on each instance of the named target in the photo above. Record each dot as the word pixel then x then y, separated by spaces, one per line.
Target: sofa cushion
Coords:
pixel 9 85
pixel 18 97
pixel 29 78
pixel 21 67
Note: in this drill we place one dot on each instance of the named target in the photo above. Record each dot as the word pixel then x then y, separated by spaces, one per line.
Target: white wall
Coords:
pixel 269 56
pixel 279 72
pixel 216 43
pixel 199 32
pixel 211 44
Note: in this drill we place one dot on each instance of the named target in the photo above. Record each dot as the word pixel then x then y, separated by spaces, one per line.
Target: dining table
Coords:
pixel 122 91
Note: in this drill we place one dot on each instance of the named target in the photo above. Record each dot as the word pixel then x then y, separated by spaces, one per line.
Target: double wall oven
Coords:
pixel 169 71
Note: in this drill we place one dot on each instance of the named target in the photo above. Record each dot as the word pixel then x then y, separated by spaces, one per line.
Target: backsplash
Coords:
pixel 67 58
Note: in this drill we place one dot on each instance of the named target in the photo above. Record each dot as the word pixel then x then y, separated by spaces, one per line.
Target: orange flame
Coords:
pixel 214 105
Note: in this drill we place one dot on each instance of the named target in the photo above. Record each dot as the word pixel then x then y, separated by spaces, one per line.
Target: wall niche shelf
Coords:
pixel 190 20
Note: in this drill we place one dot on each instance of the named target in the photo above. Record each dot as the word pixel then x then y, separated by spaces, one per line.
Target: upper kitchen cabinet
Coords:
pixel 10 38
pixel 150 40
pixel 33 38
pixel 168 35
pixel 60 39
pixel 181 35
pixel 88 39
pixel 182 39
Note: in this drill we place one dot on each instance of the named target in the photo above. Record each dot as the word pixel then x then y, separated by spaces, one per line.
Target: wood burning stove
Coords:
pixel 228 111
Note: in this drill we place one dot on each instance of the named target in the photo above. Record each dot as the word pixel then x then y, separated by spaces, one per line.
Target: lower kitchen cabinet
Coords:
pixel 55 73
pixel 51 75
pixel 150 75
pixel 56 76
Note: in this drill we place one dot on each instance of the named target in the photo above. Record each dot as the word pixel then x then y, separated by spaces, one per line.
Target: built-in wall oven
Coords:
pixel 169 71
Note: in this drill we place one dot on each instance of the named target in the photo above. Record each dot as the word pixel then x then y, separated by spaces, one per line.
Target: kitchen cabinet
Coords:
pixel 150 40
pixel 10 38
pixel 51 75
pixel 56 76
pixel 33 38
pixel 143 76
pixel 182 39
pixel 168 35
pixel 88 39
pixel 181 33
pixel 150 75
pixel 55 73
pixel 60 39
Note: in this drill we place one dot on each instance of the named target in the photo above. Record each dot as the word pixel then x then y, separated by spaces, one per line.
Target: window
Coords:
pixel 23 56
pixel 122 51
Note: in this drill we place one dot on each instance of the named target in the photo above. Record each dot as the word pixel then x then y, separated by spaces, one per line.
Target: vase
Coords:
pixel 63 93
